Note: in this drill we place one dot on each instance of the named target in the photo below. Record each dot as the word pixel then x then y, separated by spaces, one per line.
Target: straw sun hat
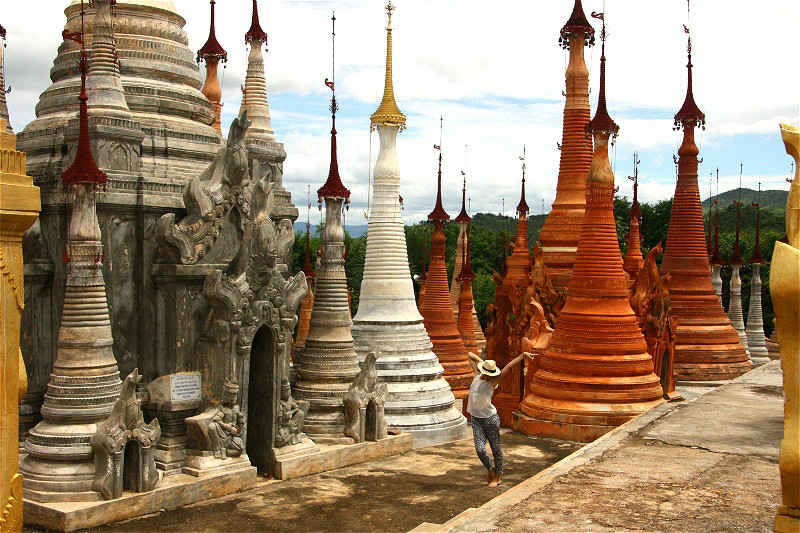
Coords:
pixel 488 368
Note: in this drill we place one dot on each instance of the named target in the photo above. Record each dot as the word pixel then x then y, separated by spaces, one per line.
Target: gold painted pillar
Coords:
pixel 19 206
pixel 785 291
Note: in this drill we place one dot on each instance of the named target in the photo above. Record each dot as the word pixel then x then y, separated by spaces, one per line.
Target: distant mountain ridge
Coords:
pixel 772 198
pixel 354 231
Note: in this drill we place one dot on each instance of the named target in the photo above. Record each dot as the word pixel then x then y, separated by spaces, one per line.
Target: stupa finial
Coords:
pixel 83 168
pixel 602 122
pixel 255 35
pixel 689 115
pixel 736 258
pixel 212 48
pixel 635 210
pixel 439 214
pixel 576 24
pixel 388 112
pixel 522 206
pixel 756 258
pixel 333 188
pixel 463 216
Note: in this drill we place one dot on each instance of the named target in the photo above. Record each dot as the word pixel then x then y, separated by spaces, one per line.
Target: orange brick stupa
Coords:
pixel 596 374
pixel 436 310
pixel 307 304
pixel 513 290
pixel 559 235
pixel 633 254
pixel 707 347
pixel 466 324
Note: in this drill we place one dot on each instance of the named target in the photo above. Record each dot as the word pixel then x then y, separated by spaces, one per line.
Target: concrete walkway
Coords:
pixel 708 464
pixel 388 495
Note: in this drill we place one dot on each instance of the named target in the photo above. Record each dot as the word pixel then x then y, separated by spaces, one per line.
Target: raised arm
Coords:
pixel 510 366
pixel 473 361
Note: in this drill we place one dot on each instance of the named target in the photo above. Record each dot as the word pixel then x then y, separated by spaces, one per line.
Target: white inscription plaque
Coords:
pixel 185 387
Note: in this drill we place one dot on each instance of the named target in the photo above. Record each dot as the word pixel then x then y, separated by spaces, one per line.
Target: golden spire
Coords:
pixel 388 112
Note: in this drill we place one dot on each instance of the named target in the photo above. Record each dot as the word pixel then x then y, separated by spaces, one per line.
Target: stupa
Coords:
pixel 436 311
pixel 562 227
pixel 462 243
pixel 328 363
pixel 3 104
pixel 266 153
pixel 706 345
pixel 735 312
pixel 213 53
pixel 596 373
pixel 633 253
pixel 466 326
pixel 513 289
pixel 756 340
pixel 717 262
pixel 387 321
pixel 307 305
pixel 84 383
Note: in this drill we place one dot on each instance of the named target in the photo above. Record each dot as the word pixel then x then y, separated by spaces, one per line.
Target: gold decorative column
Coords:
pixel 784 286
pixel 19 206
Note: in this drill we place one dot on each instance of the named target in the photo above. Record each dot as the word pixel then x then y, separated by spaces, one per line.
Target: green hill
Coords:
pixel 774 198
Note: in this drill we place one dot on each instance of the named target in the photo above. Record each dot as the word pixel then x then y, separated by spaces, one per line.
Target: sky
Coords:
pixel 495 73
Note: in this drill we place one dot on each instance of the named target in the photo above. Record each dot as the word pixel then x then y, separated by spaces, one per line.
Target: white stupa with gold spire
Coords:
pixel 420 400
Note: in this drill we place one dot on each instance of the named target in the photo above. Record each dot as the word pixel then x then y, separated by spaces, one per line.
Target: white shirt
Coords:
pixel 479 403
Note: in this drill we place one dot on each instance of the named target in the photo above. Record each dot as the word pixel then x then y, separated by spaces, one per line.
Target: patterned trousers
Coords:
pixel 484 429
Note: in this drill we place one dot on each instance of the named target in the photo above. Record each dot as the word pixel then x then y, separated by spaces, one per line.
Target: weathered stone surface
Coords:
pixel 756 340
pixel 364 405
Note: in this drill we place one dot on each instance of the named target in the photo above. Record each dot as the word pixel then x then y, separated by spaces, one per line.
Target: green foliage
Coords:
pixel 488 232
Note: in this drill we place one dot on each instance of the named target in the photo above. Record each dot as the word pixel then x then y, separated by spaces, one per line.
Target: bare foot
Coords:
pixel 490 477
pixel 495 480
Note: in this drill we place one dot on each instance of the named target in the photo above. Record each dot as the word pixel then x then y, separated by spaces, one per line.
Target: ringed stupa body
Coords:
pixel 707 347
pixel 562 227
pixel 328 363
pixel 596 373
pixel 387 321
pixel 735 311
pixel 756 340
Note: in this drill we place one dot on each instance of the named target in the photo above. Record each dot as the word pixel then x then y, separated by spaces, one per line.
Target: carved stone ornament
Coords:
pixel 228 223
pixel 219 428
pixel 123 446
pixel 364 404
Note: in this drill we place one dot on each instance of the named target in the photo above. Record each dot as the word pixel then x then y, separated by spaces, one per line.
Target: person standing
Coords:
pixel 485 422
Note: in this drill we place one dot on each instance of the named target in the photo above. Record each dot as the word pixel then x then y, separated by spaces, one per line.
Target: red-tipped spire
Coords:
pixel 636 212
pixel 333 187
pixel 602 122
pixel 466 269
pixel 438 213
pixel 255 34
pixel 212 48
pixel 577 23
pixel 463 216
pixel 689 112
pixel 522 206
pixel 756 258
pixel 83 169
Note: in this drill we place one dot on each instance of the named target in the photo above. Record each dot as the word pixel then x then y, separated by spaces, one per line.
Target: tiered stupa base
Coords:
pixel 420 401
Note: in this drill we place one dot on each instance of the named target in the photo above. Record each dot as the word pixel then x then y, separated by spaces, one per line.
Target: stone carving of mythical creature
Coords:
pixel 537 337
pixel 291 416
pixel 548 295
pixel 208 201
pixel 652 304
pixel 125 426
pixel 364 404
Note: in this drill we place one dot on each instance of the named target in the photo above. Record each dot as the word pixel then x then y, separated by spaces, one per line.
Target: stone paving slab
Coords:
pixel 388 495
pixel 702 466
